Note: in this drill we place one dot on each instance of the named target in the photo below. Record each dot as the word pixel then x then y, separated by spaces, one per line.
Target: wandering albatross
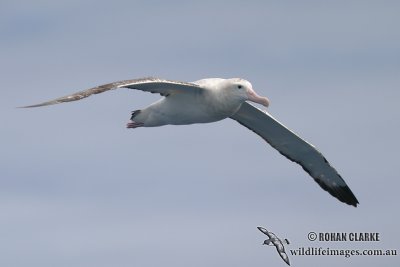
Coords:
pixel 214 99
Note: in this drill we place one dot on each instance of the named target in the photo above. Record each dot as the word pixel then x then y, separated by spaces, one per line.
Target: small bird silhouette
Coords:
pixel 273 240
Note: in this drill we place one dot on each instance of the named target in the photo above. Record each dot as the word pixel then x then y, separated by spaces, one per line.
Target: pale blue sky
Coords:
pixel 78 189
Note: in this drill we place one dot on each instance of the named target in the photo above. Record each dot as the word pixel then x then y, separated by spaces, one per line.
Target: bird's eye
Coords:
pixel 239 86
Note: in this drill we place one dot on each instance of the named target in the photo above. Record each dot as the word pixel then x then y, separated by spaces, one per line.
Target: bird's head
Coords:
pixel 267 242
pixel 244 91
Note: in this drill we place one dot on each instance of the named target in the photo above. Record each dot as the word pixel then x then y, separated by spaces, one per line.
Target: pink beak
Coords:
pixel 254 97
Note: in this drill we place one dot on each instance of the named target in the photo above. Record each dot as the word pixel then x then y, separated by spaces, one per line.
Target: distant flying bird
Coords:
pixel 214 99
pixel 273 240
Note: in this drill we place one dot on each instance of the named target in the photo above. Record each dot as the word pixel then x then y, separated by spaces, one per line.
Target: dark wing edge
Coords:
pixel 148 84
pixel 264 231
pixel 274 133
pixel 284 257
pixel 281 251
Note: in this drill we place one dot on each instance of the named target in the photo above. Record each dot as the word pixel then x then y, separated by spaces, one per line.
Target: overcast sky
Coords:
pixel 78 189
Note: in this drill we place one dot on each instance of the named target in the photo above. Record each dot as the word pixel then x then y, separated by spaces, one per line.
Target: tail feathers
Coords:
pixel 132 123
pixel 135 113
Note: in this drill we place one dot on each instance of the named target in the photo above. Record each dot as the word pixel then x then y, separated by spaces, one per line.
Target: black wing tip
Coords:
pixel 342 193
pixel 349 197
pixel 262 230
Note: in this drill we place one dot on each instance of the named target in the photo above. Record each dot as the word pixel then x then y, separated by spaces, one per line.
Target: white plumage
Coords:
pixel 214 99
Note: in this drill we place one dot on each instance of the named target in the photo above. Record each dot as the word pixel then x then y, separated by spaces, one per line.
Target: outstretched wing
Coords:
pixel 152 85
pixel 284 256
pixel 265 231
pixel 296 149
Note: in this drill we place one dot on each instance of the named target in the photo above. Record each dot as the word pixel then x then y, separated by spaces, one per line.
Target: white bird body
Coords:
pixel 215 102
pixel 214 99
